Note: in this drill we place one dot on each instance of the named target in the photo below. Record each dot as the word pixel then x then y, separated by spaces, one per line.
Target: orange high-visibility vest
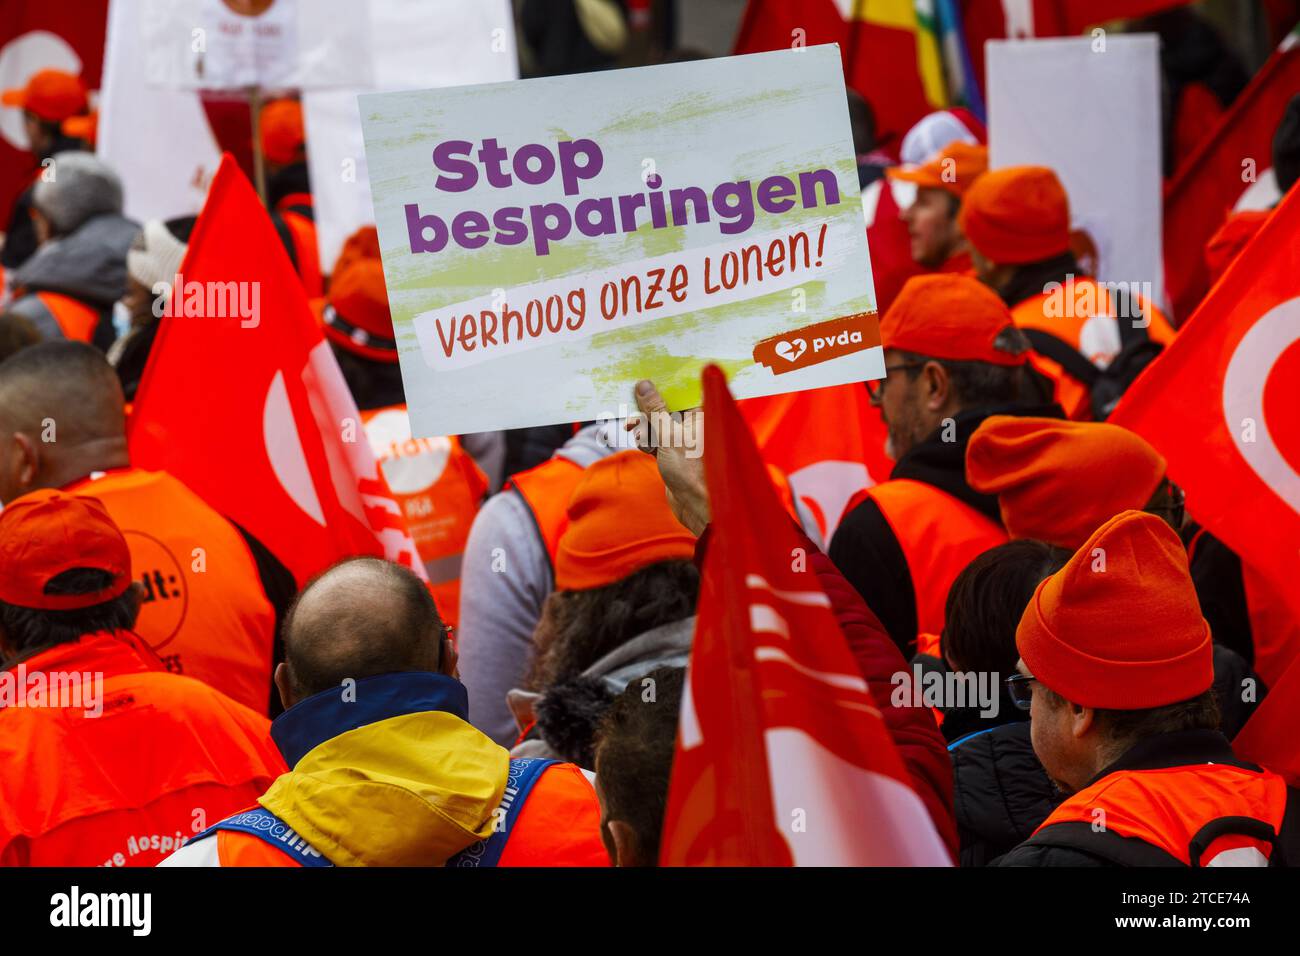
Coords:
pixel 134 761
pixel 77 320
pixel 1194 813
pixel 1088 326
pixel 939 536
pixel 546 489
pixel 205 613
pixel 439 487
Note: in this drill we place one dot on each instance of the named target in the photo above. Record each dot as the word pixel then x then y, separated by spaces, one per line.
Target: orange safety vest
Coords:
pixel 939 536
pixel 124 766
pixel 76 320
pixel 1191 813
pixel 558 825
pixel 1087 327
pixel 546 489
pixel 205 613
pixel 303 230
pixel 439 487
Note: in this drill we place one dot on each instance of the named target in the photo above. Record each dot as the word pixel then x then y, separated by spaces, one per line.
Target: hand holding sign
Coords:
pixel 678 445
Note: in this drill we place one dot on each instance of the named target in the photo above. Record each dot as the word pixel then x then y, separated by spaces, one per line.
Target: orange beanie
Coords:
pixel 282 132
pixel 1016 215
pixel 1119 627
pixel 948 316
pixel 357 315
pixel 1058 480
pixel 619 522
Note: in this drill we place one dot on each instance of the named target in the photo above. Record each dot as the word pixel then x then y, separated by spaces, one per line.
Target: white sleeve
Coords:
pixel 199 853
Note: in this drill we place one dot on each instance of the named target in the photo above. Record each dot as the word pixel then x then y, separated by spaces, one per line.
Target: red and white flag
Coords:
pixel 782 756
pixel 1216 178
pixel 828 442
pixel 1222 404
pixel 244 402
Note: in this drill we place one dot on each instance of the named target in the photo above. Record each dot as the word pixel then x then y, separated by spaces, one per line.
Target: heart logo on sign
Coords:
pixel 790 351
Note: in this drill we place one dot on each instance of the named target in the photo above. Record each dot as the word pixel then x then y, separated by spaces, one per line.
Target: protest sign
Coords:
pixel 1089 107
pixel 548 242
pixel 413 44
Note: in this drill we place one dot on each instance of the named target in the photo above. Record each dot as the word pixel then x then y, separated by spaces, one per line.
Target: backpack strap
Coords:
pixel 1063 354
pixel 1251 827
pixel 524 773
pixel 270 829
pixel 1126 310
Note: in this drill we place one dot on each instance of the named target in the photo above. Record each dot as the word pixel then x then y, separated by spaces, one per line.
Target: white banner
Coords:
pixel 1088 107
pixel 414 44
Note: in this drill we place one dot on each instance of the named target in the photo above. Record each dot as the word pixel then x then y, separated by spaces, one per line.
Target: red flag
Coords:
pixel 40 36
pixel 782 757
pixel 1214 177
pixel 243 400
pixel 1269 737
pixel 1222 405
pixel 829 443
pixel 891 56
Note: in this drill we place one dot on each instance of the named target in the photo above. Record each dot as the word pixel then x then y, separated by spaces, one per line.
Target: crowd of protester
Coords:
pixel 498 714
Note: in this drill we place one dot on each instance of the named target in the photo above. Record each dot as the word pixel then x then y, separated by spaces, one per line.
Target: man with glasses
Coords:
pixel 1117 667
pixel 952 358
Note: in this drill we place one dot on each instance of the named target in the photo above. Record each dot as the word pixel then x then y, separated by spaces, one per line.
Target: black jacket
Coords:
pixel 865 548
pixel 1070 844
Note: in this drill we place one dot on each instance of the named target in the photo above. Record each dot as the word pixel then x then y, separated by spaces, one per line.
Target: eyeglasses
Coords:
pixel 1018 687
pixel 1172 504
pixel 876 387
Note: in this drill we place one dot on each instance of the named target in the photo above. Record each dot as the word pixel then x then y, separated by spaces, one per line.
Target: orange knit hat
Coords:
pixel 619 522
pixel 1016 215
pixel 1058 480
pixel 948 316
pixel 1120 627
pixel 954 170
pixel 283 138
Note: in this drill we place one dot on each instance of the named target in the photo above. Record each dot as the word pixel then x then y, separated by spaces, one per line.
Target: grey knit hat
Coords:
pixel 81 187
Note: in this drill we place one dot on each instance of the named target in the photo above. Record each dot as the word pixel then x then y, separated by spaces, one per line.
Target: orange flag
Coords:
pixel 243 400
pixel 782 757
pixel 1222 404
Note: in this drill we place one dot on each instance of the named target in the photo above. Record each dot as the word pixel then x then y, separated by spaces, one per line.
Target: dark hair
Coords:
pixel 363 644
pixel 981 383
pixel 1124 728
pixel 372 384
pixel 634 753
pixel 862 122
pixel 986 601
pixel 16 333
pixel 578 628
pixel 28 630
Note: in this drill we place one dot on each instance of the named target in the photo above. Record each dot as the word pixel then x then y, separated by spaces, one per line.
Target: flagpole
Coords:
pixel 259 161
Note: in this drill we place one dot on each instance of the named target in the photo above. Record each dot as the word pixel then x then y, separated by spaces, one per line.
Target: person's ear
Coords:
pixel 284 684
pixel 27 462
pixel 938 387
pixel 1081 720
pixel 625 845
pixel 521 704
pixel 448 658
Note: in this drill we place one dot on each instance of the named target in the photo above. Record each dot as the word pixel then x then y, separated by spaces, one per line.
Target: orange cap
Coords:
pixel 47 532
pixel 1016 215
pixel 53 95
pixel 1058 480
pixel 362 244
pixel 946 316
pixel 619 523
pixel 282 133
pixel 357 315
pixel 1120 627
pixel 954 170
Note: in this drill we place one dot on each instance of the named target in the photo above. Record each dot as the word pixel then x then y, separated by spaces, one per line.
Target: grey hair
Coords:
pixel 81 187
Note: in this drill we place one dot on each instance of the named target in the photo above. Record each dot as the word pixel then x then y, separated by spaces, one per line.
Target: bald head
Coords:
pixel 361 618
pixel 61 417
